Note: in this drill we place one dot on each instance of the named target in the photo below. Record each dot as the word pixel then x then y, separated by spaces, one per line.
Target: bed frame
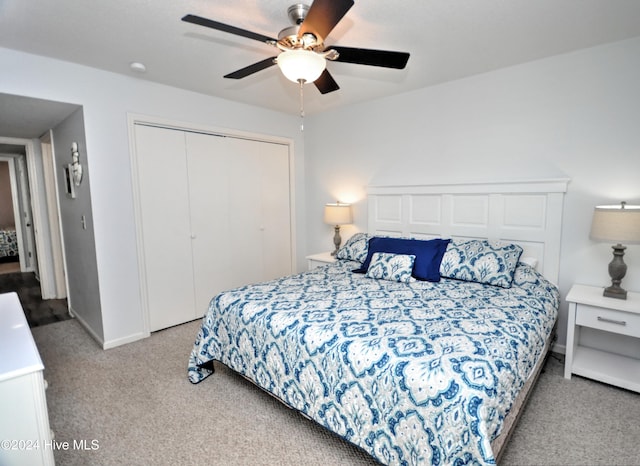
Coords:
pixel 528 213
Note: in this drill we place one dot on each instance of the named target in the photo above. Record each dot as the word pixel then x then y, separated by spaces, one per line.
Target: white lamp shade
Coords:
pixel 337 214
pixel 619 223
pixel 302 65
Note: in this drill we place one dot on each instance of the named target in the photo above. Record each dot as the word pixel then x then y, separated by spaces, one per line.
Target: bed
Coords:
pixel 8 245
pixel 413 371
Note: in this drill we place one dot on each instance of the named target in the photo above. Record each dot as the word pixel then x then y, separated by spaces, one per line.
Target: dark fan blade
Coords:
pixel 382 58
pixel 325 83
pixel 259 66
pixel 323 16
pixel 200 21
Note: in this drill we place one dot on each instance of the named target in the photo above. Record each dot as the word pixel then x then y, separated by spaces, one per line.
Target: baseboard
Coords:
pixel 124 340
pixel 86 326
pixel 556 348
pixel 108 344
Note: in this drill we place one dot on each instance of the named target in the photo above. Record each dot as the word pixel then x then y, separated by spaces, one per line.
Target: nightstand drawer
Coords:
pixel 610 320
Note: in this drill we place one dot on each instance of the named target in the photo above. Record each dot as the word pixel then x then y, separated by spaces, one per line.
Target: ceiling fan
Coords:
pixel 303 54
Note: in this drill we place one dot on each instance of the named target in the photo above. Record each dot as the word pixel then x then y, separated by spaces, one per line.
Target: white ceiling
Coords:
pixel 447 40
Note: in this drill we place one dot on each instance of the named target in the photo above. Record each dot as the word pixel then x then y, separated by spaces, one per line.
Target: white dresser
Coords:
pixel 25 437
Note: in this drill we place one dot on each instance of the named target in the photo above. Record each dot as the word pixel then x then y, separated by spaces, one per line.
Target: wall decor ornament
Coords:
pixel 76 167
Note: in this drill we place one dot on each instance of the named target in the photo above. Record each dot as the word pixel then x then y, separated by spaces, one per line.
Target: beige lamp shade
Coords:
pixel 337 214
pixel 617 223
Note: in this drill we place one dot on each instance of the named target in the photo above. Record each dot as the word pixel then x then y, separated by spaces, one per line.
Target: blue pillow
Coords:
pixel 428 254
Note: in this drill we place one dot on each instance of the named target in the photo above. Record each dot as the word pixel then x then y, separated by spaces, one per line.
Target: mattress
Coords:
pixel 413 373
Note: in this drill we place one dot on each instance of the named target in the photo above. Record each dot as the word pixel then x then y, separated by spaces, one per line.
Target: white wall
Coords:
pixel 575 115
pixel 106 99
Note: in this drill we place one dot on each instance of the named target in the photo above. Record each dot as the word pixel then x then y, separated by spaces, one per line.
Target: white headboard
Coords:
pixel 528 213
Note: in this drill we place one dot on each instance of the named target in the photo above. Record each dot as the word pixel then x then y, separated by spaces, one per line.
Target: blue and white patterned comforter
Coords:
pixel 8 243
pixel 413 373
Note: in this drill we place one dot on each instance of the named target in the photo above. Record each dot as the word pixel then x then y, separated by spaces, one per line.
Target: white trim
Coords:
pixel 23 218
pixel 86 326
pixel 551 185
pixel 147 120
pixel 561 349
pixel 135 189
pixel 134 118
pixel 108 344
pixel 292 205
pixel 53 212
pixel 43 258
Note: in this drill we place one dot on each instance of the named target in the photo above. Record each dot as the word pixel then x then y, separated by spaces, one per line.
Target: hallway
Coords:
pixel 37 311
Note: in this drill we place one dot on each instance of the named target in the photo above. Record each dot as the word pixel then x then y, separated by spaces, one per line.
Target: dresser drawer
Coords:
pixel 610 320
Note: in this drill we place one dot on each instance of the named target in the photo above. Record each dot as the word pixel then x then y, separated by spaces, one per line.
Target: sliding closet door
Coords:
pixel 275 210
pixel 214 214
pixel 240 215
pixel 166 225
pixel 212 207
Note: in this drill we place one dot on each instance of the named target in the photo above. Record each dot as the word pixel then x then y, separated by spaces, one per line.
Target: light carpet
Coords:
pixel 134 405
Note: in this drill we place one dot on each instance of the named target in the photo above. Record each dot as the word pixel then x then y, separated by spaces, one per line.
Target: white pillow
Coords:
pixel 394 267
pixel 530 261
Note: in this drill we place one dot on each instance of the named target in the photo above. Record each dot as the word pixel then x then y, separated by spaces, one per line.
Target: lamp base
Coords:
pixel 336 239
pixel 615 292
pixel 617 271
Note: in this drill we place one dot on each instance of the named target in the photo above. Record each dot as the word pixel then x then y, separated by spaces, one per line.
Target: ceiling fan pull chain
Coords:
pixel 301 104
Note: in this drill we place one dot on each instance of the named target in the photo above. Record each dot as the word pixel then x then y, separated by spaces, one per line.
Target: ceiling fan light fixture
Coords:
pixel 301 65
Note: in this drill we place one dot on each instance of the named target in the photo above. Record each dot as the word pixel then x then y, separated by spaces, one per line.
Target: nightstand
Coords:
pixel 588 308
pixel 316 260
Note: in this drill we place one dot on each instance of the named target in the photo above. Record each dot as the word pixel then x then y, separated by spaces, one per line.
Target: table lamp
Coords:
pixel 619 224
pixel 337 214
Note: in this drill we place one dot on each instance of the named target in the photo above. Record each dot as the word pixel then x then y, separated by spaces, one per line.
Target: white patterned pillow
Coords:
pixel 481 261
pixel 394 267
pixel 355 249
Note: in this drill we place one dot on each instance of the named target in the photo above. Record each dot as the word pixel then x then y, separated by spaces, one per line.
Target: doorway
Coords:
pixel 17 251
pixel 22 122
pixel 31 224
pixel 9 251
pixel 19 270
